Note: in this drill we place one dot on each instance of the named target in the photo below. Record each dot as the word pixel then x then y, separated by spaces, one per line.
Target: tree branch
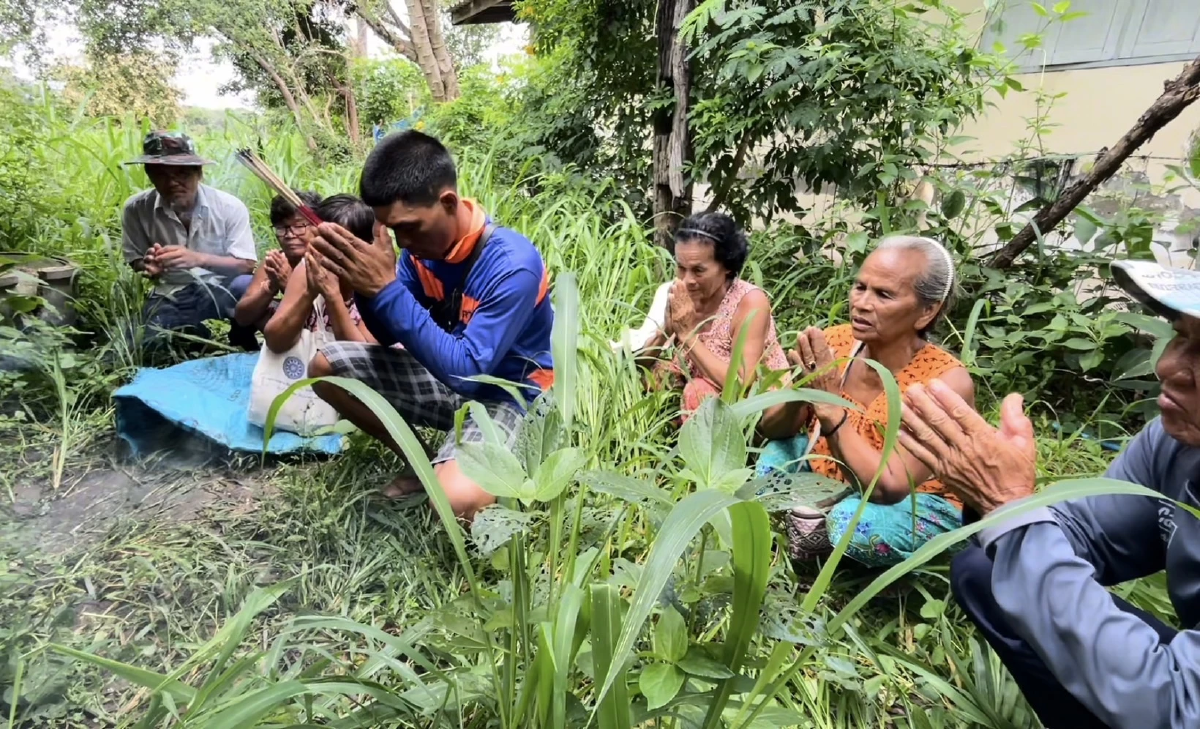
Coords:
pixel 399 43
pixel 394 17
pixel 1177 95
pixel 441 54
pixel 288 98
pixel 423 46
pixel 352 122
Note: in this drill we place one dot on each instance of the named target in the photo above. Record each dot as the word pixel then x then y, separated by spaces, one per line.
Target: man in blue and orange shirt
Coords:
pixel 467 298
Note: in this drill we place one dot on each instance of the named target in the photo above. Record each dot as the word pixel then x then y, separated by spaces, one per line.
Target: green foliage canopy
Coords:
pixel 791 95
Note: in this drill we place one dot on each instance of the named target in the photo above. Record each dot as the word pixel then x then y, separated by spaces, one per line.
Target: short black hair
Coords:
pixel 349 212
pixel 408 167
pixel 730 246
pixel 281 209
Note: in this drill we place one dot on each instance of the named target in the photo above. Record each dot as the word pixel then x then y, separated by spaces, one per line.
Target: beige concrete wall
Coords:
pixel 1096 106
pixel 1100 105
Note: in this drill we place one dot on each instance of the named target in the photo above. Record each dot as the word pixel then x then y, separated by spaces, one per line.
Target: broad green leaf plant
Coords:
pixel 579 632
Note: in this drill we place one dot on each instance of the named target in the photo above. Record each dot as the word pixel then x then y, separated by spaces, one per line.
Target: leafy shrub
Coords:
pixel 24 177
pixel 388 90
pixel 482 113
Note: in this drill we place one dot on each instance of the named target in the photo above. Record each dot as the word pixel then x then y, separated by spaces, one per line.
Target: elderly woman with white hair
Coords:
pixel 902 290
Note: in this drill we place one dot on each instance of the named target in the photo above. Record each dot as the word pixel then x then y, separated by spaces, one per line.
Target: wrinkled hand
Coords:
pixel 151 268
pixel 367 268
pixel 986 466
pixel 681 313
pixel 278 270
pixel 176 258
pixel 320 280
pixel 814 356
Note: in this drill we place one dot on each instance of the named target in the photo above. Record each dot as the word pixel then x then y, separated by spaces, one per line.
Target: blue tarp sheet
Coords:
pixel 207 397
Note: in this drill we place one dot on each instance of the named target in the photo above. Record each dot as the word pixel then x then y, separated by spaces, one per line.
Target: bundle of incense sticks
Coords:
pixel 264 173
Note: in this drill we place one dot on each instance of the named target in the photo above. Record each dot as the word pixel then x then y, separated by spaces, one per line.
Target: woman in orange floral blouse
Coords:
pixel 900 292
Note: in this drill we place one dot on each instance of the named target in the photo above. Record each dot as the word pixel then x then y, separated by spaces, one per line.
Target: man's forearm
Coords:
pixel 225 265
pixel 394 316
pixel 1110 660
pixel 452 359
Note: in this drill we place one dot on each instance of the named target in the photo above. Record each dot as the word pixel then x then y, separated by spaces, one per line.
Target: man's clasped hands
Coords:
pixel 160 258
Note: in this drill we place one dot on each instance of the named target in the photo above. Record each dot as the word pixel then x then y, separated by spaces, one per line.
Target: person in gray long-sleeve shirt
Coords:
pixel 1035 583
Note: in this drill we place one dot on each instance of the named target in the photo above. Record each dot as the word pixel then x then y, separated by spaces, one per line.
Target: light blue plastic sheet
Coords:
pixel 205 397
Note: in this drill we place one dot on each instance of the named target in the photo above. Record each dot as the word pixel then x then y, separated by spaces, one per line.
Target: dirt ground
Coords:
pixel 103 490
pixel 47 534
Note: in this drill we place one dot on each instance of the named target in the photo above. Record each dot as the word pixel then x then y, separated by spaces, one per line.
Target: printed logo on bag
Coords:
pixel 293 368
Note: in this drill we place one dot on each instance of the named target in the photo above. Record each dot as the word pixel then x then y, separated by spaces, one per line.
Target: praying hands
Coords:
pixel 367 268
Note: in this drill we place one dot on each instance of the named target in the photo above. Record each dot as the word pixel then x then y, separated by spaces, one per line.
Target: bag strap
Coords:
pixel 484 238
pixel 854 352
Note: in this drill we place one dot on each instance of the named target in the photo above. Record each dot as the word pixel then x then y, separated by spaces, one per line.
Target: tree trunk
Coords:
pixel 419 24
pixel 352 127
pixel 441 53
pixel 1178 93
pixel 672 144
pixel 358 47
pixel 289 99
pixel 420 41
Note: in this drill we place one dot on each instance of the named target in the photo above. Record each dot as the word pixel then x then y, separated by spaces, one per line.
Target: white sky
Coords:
pixel 200 76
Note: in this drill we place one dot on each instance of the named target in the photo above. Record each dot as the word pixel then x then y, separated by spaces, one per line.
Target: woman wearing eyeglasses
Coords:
pixel 293 233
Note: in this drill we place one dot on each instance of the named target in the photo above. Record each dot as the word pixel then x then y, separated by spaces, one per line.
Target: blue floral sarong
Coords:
pixel 885 534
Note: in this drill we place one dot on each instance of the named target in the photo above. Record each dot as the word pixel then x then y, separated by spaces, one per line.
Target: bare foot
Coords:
pixel 403 485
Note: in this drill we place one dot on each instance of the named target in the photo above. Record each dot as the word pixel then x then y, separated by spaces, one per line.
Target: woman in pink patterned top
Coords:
pixel 314 299
pixel 709 307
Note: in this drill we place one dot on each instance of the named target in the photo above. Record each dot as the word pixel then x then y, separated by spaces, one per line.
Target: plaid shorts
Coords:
pixel 419 397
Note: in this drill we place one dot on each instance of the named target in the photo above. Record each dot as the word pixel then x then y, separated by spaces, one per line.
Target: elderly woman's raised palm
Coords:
pixel 814 356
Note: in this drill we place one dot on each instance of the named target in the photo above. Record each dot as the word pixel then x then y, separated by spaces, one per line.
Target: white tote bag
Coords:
pixel 303 413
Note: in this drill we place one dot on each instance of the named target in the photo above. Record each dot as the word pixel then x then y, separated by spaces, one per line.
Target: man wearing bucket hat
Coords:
pixel 1034 583
pixel 192 240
